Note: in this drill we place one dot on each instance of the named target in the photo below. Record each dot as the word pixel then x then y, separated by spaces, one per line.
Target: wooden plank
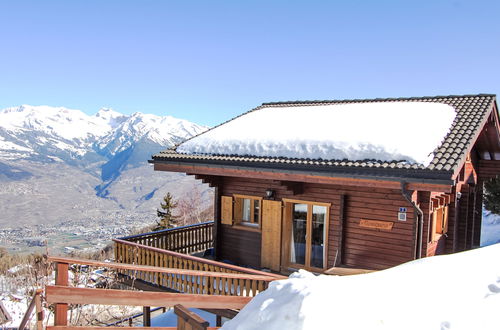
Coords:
pixel 38 310
pixel 343 271
pixel 34 304
pixel 240 246
pixel 282 176
pixel 193 319
pixel 72 295
pixel 182 256
pixel 227 210
pixel 61 310
pixel 271 235
pixel 341 230
pixel 375 224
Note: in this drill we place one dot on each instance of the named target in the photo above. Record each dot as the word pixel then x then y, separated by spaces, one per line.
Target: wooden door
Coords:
pixel 271 235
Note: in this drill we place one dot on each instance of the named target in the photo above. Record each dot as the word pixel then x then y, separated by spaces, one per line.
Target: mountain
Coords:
pixel 62 166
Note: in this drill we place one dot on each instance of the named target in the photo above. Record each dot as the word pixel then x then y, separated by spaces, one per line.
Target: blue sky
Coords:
pixel 207 61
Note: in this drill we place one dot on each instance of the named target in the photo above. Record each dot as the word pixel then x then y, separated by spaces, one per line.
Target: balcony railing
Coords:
pixel 169 249
pixel 187 239
pixel 200 276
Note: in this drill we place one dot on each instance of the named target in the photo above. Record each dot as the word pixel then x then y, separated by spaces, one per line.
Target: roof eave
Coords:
pixel 424 177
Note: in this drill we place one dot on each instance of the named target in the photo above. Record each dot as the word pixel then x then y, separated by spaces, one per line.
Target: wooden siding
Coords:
pixel 468 227
pixel 240 246
pixel 363 247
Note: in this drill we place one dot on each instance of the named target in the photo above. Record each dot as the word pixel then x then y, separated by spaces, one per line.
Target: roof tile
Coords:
pixel 471 115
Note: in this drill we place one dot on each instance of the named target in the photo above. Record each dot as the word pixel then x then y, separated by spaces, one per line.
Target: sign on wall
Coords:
pixel 402 214
pixel 376 224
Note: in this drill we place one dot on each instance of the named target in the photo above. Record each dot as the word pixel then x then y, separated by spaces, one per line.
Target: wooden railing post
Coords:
pixel 61 310
pixel 146 316
pixel 189 320
pixel 39 309
pixel 36 303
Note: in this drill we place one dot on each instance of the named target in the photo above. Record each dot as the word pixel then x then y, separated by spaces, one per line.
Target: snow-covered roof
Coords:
pixel 427 133
pixel 354 131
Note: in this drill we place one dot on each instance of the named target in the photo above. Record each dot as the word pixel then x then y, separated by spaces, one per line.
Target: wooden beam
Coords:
pixel 61 310
pixel 227 313
pixel 72 295
pixel 154 269
pixel 146 316
pixel 340 244
pixel 281 176
pixel 296 188
pixel 212 181
pixel 194 320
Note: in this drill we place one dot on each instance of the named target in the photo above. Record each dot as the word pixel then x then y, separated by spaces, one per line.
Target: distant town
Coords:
pixel 73 235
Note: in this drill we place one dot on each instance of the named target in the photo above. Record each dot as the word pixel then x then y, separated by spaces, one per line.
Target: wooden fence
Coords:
pixel 61 294
pixel 204 276
pixel 35 305
pixel 186 239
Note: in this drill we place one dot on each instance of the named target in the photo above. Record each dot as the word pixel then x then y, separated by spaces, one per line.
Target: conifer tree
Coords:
pixel 167 220
pixel 492 195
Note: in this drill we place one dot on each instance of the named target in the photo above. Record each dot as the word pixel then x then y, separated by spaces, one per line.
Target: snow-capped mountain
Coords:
pixel 57 133
pixel 58 164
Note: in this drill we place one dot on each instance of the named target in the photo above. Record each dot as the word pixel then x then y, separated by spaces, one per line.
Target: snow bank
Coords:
pixel 490 228
pixel 359 131
pixel 460 291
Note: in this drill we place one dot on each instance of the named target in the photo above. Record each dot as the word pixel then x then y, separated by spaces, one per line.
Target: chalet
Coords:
pixel 330 186
pixel 351 183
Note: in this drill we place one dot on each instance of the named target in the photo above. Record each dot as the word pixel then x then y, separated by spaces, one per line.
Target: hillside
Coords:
pixel 62 170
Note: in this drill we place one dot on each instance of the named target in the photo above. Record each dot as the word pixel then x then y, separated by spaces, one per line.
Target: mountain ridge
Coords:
pixel 60 165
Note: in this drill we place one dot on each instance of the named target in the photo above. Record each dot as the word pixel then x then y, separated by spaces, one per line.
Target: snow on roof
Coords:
pixel 458 291
pixel 383 131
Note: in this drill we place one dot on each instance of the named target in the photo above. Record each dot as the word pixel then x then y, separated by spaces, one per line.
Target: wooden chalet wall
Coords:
pixel 362 247
pixel 469 218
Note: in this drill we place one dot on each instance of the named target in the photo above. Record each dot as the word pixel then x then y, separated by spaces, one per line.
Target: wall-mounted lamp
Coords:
pixel 269 193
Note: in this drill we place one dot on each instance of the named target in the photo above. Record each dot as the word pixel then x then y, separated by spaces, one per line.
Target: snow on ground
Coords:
pixel 490 228
pixel 16 307
pixel 169 318
pixel 357 131
pixel 459 291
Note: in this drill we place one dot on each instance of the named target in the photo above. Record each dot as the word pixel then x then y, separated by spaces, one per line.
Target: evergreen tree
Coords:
pixel 167 220
pixel 492 195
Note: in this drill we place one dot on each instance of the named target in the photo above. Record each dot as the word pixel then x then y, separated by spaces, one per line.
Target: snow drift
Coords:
pixel 358 131
pixel 459 291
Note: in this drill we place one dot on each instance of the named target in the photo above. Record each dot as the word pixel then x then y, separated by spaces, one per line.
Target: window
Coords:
pixel 247 210
pixel 439 218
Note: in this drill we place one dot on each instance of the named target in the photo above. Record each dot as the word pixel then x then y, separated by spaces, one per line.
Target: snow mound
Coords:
pixel 459 291
pixel 381 131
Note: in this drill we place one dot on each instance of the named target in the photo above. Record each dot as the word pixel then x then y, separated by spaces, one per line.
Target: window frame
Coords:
pixel 286 233
pixel 237 219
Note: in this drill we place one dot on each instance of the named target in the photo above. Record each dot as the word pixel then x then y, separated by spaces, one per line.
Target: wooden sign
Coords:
pixel 376 224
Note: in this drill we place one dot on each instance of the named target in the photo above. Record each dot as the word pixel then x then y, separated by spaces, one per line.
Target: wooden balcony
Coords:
pixel 187 239
pixel 183 272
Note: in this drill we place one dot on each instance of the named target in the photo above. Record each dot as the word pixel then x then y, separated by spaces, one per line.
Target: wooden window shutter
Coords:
pixel 445 220
pixel 238 209
pixel 433 226
pixel 439 222
pixel 226 210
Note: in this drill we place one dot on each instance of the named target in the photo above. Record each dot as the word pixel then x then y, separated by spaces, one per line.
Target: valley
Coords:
pixel 69 181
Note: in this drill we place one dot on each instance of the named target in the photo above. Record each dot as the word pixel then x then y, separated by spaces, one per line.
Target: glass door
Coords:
pixel 299 234
pixel 307 232
pixel 318 236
